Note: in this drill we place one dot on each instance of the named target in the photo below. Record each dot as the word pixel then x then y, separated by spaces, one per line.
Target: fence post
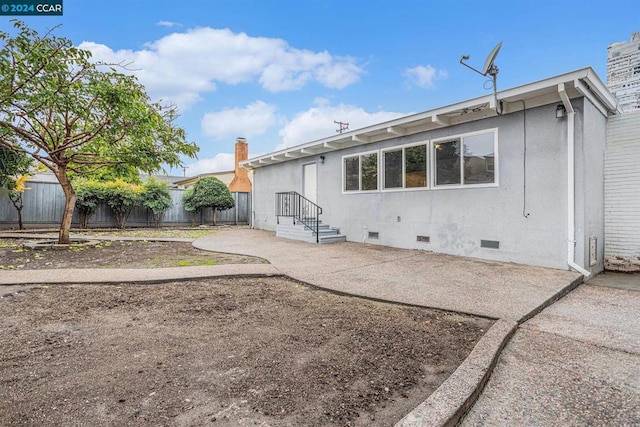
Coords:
pixel 235 198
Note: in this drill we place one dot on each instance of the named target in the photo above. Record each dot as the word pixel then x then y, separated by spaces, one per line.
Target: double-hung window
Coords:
pixel 361 172
pixel 405 167
pixel 465 160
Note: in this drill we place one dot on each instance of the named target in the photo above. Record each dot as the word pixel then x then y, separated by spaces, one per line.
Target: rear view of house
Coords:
pixel 515 178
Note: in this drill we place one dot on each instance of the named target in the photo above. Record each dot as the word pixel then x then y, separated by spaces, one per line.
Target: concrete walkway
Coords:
pixel 577 363
pixel 510 293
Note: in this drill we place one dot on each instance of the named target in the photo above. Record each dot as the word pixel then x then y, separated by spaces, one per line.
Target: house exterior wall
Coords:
pixel 591 140
pixel 622 198
pixel 526 212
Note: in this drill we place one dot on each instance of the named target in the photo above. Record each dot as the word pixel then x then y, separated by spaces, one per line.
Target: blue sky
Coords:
pixel 279 72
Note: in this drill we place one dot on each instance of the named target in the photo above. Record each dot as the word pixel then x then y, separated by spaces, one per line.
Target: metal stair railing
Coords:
pixel 295 205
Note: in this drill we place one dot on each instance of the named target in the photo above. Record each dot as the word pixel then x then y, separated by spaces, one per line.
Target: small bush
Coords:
pixel 122 197
pixel 209 192
pixel 188 202
pixel 157 198
pixel 89 193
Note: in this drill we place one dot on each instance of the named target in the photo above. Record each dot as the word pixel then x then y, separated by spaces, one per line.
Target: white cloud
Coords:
pixel 222 162
pixel 318 122
pixel 255 119
pixel 168 24
pixel 424 76
pixel 182 66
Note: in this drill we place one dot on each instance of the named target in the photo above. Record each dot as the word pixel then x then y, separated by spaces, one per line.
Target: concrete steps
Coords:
pixel 326 234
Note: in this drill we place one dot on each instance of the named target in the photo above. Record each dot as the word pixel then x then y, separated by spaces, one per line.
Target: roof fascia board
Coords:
pixel 403 125
pixel 592 88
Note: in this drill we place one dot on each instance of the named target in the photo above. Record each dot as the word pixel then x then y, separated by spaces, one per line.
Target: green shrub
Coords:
pixel 188 202
pixel 209 192
pixel 157 198
pixel 122 197
pixel 89 193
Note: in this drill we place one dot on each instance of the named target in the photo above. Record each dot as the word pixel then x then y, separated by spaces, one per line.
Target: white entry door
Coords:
pixel 310 182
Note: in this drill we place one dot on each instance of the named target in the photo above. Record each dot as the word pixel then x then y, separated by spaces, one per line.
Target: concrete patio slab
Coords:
pixel 492 289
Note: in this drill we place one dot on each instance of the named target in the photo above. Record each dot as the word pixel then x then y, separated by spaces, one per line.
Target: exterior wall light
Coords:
pixel 560 111
pixel 321 160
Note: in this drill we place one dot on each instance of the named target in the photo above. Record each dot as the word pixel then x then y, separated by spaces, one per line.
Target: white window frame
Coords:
pixel 344 175
pixel 432 163
pixel 404 177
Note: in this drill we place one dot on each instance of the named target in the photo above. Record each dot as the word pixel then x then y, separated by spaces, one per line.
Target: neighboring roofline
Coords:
pixel 579 83
pixel 202 175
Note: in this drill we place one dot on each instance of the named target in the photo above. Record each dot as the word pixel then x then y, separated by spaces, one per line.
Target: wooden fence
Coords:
pixel 44 205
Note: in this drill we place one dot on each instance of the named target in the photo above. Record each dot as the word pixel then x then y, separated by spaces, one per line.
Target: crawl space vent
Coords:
pixel 490 244
pixel 424 239
pixel 374 235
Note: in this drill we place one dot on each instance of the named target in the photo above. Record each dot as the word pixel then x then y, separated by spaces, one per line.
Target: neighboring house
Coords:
pixel 237 179
pixel 523 186
pixel 169 179
pixel 226 177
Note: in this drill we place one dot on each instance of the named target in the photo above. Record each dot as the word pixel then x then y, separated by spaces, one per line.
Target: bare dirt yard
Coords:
pixel 114 254
pixel 223 352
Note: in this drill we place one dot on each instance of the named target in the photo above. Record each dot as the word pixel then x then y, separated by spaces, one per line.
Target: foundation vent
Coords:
pixel 490 244
pixel 374 235
pixel 425 239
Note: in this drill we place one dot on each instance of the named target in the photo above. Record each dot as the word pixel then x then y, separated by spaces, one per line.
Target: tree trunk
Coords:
pixel 20 225
pixel 70 204
pixel 214 216
pixel 18 203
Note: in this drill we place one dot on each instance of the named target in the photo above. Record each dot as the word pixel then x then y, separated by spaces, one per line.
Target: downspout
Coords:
pixel 571 183
pixel 252 213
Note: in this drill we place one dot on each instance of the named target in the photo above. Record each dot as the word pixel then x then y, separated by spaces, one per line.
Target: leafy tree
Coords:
pixel 16 191
pixel 15 169
pixel 124 172
pixel 210 192
pixel 122 197
pixel 157 198
pixel 90 193
pixel 76 116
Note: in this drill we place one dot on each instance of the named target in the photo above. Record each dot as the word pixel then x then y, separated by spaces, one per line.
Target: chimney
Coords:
pixel 240 180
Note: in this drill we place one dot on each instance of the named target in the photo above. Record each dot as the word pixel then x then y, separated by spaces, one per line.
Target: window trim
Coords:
pixel 344 172
pixel 430 163
pixel 404 176
pixel 460 137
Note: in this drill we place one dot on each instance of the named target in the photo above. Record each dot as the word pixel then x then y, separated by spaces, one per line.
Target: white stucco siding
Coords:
pixel 622 187
pixel 589 159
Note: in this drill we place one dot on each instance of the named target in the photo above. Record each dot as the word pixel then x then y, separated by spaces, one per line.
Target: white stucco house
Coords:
pixel 518 177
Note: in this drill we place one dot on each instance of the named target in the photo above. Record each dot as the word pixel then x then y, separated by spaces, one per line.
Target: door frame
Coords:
pixel 304 181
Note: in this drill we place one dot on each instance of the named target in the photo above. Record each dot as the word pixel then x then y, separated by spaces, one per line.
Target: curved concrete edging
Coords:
pixel 448 404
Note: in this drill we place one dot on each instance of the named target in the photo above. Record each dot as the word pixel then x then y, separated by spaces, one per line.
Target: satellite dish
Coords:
pixel 489 67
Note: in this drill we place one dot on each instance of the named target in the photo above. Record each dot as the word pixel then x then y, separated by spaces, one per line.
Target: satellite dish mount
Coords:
pixel 489 68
